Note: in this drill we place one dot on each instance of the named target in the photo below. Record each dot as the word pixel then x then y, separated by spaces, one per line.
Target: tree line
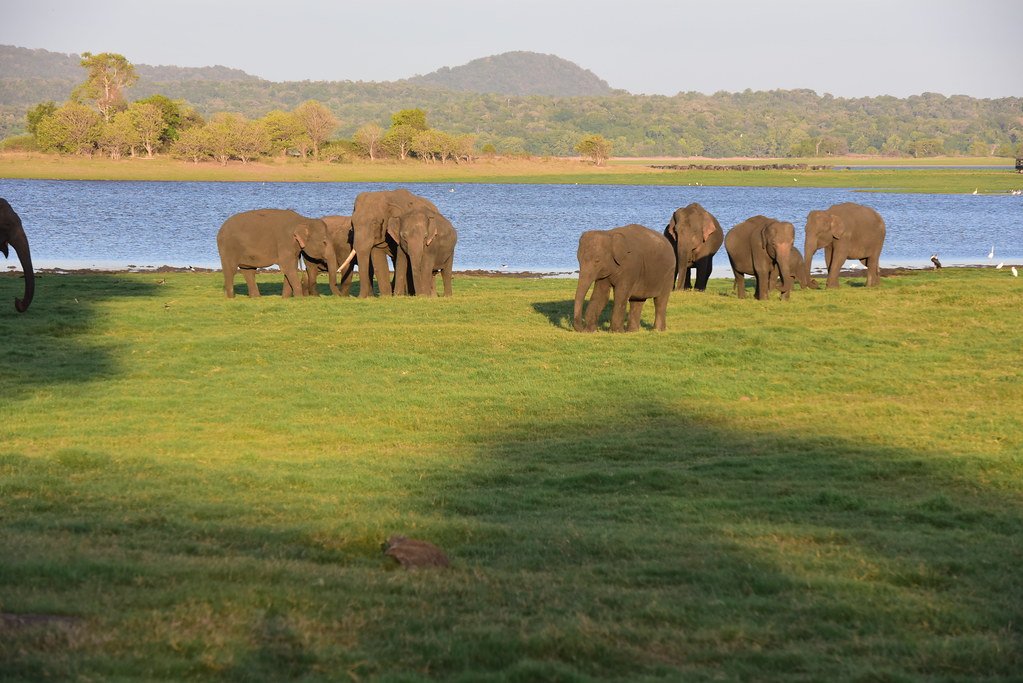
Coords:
pixel 780 123
pixel 97 119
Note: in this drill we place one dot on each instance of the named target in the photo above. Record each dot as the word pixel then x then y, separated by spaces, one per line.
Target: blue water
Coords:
pixel 112 224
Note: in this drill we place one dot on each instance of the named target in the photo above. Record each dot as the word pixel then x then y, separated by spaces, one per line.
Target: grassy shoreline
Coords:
pixel 829 488
pixel 542 171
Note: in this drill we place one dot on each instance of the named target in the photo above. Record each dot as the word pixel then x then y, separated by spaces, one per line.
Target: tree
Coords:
pixel 250 140
pixel 119 135
pixel 414 118
pixel 398 141
pixel 222 134
pixel 37 113
pixel 149 124
pixel 595 147
pixel 177 116
pixel 369 137
pixel 72 129
pixel 109 75
pixel 318 123
pixel 283 129
pixel 193 143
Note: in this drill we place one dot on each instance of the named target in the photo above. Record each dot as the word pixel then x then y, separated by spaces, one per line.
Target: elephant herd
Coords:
pixel 393 224
pixel 638 263
pixel 632 261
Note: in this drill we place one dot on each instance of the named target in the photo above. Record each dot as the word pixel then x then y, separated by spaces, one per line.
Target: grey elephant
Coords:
pixel 370 218
pixel 12 233
pixel 426 246
pixel 696 236
pixel 762 247
pixel 637 263
pixel 845 231
pixel 265 237
pixel 339 234
pixel 800 271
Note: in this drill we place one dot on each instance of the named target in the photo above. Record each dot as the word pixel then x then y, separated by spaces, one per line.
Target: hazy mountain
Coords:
pixel 518 73
pixel 23 63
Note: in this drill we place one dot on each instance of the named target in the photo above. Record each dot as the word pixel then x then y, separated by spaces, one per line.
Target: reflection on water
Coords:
pixel 501 227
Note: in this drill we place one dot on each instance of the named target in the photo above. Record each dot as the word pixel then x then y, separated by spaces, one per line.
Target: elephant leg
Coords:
pixel 250 281
pixel 740 285
pixel 445 275
pixel 292 283
pixel 835 261
pixel 704 267
pixel 345 286
pixel 621 300
pixel 401 274
pixel 635 315
pixel 311 272
pixel 873 264
pixel 598 300
pixel 661 312
pixel 381 271
pixel 230 270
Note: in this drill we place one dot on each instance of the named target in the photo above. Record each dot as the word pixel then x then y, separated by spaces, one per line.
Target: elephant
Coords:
pixel 263 237
pixel 426 245
pixel 637 263
pixel 339 233
pixel 13 233
pixel 800 270
pixel 762 247
pixel 696 236
pixel 370 217
pixel 846 231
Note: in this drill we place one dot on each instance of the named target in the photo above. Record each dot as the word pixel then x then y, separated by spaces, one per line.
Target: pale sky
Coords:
pixel 849 49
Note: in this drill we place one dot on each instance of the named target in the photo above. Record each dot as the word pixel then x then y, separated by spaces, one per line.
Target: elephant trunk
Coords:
pixel 788 276
pixel 20 243
pixel 417 269
pixel 580 296
pixel 809 247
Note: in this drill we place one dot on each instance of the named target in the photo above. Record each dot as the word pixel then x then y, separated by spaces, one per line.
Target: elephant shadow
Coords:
pixel 53 343
pixel 560 314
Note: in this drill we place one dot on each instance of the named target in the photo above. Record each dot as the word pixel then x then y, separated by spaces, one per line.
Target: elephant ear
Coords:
pixel 301 234
pixel 431 230
pixel 708 227
pixel 393 225
pixel 619 248
pixel 764 234
pixel 837 227
pixel 671 229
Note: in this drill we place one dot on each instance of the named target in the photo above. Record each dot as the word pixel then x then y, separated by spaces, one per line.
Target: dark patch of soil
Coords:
pixel 14 622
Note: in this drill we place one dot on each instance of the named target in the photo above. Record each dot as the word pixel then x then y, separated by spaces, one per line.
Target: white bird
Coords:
pixel 975 191
pixel 1014 272
pixel 991 254
pixel 999 266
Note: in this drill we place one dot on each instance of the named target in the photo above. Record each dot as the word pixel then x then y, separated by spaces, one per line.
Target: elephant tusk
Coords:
pixel 347 261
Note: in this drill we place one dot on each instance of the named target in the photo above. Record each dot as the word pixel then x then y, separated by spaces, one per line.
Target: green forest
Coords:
pixel 778 123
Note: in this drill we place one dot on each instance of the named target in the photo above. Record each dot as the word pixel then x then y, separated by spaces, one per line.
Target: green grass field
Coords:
pixel 829 488
pixel 541 170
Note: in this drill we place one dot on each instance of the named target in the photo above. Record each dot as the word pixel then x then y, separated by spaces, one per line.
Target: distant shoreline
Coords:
pixel 940 175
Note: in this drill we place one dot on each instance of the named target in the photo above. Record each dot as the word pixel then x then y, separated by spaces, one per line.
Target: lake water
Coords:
pixel 112 224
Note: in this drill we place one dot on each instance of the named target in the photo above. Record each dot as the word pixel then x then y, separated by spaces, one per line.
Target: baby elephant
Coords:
pixel 761 247
pixel 634 261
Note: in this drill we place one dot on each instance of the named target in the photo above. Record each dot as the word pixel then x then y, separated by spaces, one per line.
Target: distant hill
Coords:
pixel 519 74
pixel 506 101
pixel 24 63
